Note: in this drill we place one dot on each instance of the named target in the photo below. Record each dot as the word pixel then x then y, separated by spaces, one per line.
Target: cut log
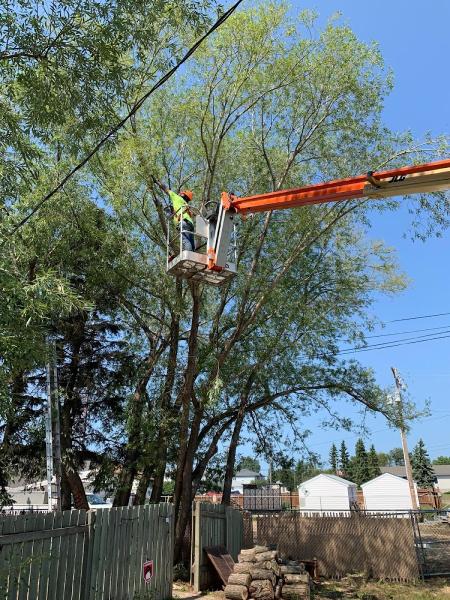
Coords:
pixel 236 592
pixel 250 558
pixel 269 555
pixel 292 569
pixel 239 579
pixel 263 574
pixel 243 567
pixel 259 549
pixel 262 589
pixel 273 566
pixel 296 592
pixel 296 578
pixel 248 551
pixel 259 564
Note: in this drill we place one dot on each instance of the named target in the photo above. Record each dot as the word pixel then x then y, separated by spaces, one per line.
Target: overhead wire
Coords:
pixel 394 343
pixel 121 123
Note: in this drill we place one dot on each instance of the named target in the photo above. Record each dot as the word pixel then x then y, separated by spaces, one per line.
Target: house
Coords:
pixel 244 477
pixel 387 493
pixel 442 475
pixel 327 492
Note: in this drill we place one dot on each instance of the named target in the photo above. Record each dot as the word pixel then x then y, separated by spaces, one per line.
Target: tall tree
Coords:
pixel 422 468
pixel 396 458
pixel 344 459
pixel 249 462
pixel 442 460
pixel 333 458
pixel 359 470
pixel 373 462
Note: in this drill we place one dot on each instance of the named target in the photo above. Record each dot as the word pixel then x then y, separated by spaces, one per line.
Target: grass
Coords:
pixel 433 589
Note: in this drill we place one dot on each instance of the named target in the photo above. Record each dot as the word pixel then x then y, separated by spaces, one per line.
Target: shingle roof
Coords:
pixel 401 471
pixel 247 473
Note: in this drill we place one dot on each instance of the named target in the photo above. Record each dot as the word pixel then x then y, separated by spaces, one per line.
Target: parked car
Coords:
pixel 96 502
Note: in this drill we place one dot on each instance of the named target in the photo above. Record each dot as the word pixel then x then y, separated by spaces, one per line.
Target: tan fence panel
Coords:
pixel 213 525
pixel 379 547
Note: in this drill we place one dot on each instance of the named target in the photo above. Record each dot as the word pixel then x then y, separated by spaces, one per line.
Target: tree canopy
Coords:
pixel 158 375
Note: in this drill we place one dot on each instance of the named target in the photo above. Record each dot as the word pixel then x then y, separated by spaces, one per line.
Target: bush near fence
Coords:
pixel 87 556
pixel 383 548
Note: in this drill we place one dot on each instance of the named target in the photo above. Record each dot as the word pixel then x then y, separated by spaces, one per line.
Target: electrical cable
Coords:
pixel 121 123
pixel 392 344
pixel 419 317
pixel 367 337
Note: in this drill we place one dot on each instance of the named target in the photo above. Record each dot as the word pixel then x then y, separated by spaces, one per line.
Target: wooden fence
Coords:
pixel 76 555
pixel 383 548
pixel 213 525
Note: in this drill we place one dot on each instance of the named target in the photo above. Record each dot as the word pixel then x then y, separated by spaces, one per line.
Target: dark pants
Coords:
pixel 187 237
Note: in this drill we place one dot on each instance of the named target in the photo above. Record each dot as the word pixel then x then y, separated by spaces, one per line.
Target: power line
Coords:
pixel 394 344
pixel 367 337
pixel 419 317
pixel 122 122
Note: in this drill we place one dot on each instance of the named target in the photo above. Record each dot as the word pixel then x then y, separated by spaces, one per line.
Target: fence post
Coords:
pixel 197 545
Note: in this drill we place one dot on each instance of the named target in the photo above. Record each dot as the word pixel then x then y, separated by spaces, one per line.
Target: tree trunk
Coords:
pixel 231 458
pixel 76 487
pixel 142 488
pixel 123 491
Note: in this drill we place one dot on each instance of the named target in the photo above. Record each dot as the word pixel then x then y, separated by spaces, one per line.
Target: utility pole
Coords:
pixel 52 430
pixel 409 476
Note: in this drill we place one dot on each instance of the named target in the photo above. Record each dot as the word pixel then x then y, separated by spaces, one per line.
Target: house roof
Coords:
pixel 384 476
pixel 333 477
pixel 247 473
pixel 401 471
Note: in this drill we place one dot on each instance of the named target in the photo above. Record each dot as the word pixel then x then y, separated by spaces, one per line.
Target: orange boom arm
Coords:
pixel 430 177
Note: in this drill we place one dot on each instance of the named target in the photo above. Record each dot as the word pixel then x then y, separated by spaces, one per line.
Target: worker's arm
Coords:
pixel 163 187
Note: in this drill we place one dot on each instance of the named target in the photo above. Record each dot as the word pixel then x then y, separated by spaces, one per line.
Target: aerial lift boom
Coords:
pixel 214 267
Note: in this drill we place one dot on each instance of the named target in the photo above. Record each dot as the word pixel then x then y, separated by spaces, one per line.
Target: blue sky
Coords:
pixel 415 42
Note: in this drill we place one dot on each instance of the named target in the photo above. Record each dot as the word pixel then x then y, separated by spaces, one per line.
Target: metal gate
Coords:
pixel 432 539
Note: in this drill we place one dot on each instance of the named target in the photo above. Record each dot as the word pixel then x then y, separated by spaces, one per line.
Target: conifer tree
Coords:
pixel 422 468
pixel 373 462
pixel 359 465
pixel 334 458
pixel 344 459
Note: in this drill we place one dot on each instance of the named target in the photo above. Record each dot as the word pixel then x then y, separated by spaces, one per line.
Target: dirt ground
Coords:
pixel 433 589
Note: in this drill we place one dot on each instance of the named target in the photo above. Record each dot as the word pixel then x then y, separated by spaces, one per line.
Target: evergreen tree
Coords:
pixel 359 465
pixel 422 468
pixel 344 459
pixel 334 458
pixel 373 462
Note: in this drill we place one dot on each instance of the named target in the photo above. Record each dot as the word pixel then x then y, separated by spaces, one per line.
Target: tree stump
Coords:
pixel 239 579
pixel 262 589
pixel 236 592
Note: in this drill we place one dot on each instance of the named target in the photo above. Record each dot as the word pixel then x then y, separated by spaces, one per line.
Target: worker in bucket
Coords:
pixel 182 215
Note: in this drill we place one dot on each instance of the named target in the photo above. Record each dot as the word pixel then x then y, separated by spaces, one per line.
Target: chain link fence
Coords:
pixel 398 546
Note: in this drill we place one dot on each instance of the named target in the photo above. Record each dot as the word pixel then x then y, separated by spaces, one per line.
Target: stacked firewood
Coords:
pixel 261 574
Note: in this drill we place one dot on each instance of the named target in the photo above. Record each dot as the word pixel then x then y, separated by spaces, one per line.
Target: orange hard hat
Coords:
pixel 188 194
